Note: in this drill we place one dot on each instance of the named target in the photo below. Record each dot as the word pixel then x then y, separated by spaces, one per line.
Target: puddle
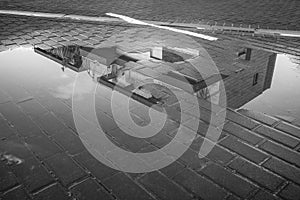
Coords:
pixel 24 70
pixel 283 97
pixel 33 77
pixel 41 74
pixel 119 101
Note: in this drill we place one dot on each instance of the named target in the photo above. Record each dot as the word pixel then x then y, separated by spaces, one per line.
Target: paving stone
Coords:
pixel 17 193
pixel 20 41
pixel 89 189
pixel 191 159
pixel 50 42
pixel 79 42
pixel 179 117
pixel 67 43
pixel 96 38
pixel 48 34
pixel 284 169
pixel 7 178
pixel 43 146
pixel 50 124
pixel 7 42
pixel 69 141
pixel 56 39
pixel 95 167
pixel 281 152
pixel 289 128
pixel 241 119
pixel 67 119
pixel 217 153
pixel 170 128
pixel 16 92
pixel 232 197
pixel 33 41
pixel 52 192
pixel 173 169
pixel 24 35
pixel 197 143
pixel 199 185
pixel 133 144
pixel 125 163
pixel 160 157
pixel 243 149
pixel 290 192
pixel 206 115
pixel 16 147
pixel 6 130
pixel 32 174
pixel 124 188
pixel 188 13
pixel 87 34
pixel 242 133
pixel 92 42
pixel 278 136
pixel 259 117
pixel 23 124
pixel 57 106
pixel 203 129
pixel 43 46
pixel 230 181
pixel 107 123
pixel 41 38
pixel 160 139
pixel 103 101
pixel 162 187
pixel 33 108
pixel 65 168
pixel 186 136
pixel 256 174
pixel 264 195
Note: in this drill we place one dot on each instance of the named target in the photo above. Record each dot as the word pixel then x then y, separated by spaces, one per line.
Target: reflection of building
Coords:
pixel 246 72
pixel 252 79
pixel 129 71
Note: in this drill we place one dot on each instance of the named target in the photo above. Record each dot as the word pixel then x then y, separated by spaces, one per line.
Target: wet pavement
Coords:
pixel 268 14
pixel 98 111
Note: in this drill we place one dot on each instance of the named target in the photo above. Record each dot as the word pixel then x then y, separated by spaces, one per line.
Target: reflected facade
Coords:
pixel 246 72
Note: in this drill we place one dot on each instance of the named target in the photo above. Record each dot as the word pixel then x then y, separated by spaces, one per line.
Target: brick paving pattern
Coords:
pixel 281 14
pixel 257 156
pixel 254 166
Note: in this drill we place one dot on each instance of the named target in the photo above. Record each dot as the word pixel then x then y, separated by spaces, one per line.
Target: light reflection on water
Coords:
pixel 43 77
pixel 24 68
pixel 26 75
pixel 283 98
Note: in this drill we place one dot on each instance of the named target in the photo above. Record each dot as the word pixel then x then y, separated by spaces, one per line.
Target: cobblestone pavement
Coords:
pixel 23 31
pixel 264 13
pixel 257 156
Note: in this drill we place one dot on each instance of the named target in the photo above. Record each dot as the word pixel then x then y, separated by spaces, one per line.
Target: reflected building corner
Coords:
pixel 254 69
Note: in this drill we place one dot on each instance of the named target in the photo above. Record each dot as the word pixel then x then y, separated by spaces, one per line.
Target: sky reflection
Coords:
pixel 284 95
